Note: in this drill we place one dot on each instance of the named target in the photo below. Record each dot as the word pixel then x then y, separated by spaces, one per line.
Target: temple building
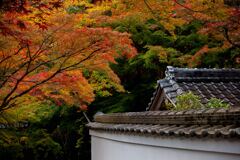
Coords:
pixel 158 134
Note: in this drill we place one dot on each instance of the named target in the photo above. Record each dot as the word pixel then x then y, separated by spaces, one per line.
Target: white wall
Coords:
pixel 109 146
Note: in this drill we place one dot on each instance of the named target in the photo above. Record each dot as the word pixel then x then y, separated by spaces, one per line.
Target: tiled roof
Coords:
pixel 206 83
pixel 198 123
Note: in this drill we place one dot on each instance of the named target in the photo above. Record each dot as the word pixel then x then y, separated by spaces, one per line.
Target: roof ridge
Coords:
pixel 202 74
pixel 194 117
pixel 214 69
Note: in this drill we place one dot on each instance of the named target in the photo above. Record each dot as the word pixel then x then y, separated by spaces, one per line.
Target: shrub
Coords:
pixel 46 148
pixel 217 103
pixel 188 101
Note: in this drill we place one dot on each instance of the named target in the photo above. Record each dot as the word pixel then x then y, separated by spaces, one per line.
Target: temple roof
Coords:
pixel 223 84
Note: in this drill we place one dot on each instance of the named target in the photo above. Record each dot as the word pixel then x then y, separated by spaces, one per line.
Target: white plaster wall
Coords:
pixel 108 146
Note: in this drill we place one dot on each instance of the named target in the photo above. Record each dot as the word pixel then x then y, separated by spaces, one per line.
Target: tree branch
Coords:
pixel 6 58
pixel 226 35
pixel 8 99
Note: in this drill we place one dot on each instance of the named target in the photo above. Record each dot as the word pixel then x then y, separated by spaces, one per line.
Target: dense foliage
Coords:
pixel 53 133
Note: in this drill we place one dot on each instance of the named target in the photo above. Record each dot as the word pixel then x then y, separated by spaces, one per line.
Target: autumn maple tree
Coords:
pixel 220 18
pixel 48 63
